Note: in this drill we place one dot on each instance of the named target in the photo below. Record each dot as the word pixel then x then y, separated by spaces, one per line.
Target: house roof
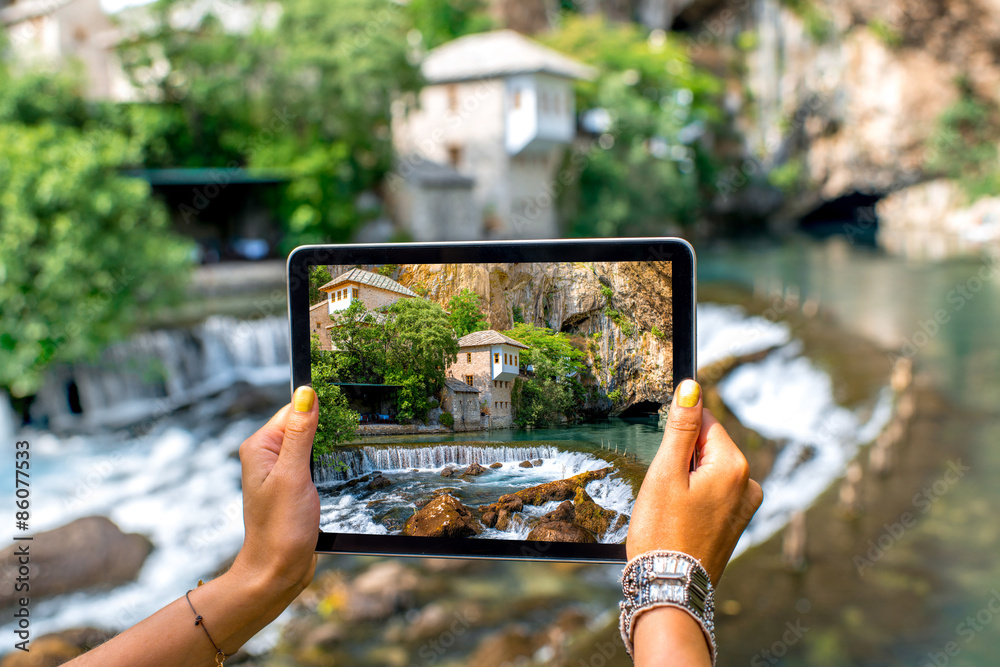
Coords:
pixel 459 387
pixel 489 337
pixel 29 9
pixel 416 168
pixel 498 53
pixel 368 278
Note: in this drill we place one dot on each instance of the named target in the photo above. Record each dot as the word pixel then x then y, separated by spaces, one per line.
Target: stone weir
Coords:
pixel 354 461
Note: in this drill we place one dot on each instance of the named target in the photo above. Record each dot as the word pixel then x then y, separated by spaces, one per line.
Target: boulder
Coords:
pixel 378 482
pixel 490 518
pixel 560 531
pixel 510 502
pixel 536 462
pixel 592 516
pixel 444 516
pixel 496 465
pixel 448 472
pixel 525 464
pixel 88 553
pixel 561 489
pixel 564 512
pixel 474 469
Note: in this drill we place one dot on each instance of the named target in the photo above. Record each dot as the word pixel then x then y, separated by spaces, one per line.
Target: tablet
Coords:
pixel 488 399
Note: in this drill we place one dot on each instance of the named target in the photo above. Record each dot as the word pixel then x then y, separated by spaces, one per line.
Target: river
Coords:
pixel 177 480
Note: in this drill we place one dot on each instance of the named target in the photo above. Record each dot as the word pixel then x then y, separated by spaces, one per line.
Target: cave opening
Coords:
pixel 641 410
pixel 852 215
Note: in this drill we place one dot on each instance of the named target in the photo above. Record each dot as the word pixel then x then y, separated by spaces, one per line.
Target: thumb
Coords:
pixel 300 429
pixel 680 436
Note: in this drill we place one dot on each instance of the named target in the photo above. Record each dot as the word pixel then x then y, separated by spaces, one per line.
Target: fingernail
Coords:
pixel 303 399
pixel 688 394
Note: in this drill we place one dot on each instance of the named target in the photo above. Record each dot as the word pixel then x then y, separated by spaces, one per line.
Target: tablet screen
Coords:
pixel 488 401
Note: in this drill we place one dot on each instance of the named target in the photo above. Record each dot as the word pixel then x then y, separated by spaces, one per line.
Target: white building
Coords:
pixel 54 32
pixel 499 108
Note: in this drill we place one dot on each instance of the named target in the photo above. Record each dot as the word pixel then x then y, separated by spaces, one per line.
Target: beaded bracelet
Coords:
pixel 667 579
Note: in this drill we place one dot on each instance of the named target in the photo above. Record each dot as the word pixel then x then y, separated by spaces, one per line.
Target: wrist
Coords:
pixel 669 631
pixel 269 585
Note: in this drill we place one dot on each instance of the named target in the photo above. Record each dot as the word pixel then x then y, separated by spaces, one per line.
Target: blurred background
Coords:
pixel 835 165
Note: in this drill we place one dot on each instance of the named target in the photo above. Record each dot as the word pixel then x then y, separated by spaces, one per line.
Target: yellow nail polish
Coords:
pixel 688 394
pixel 303 399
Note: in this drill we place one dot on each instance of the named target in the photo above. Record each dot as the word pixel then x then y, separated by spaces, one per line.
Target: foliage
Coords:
pixel 556 388
pixel 318 276
pixel 517 314
pixel 607 293
pixel 337 422
pixel 886 33
pixel 387 270
pixel 817 22
pixel 648 168
pixel 424 345
pixel 787 177
pixel 305 90
pixel 440 21
pixel 409 344
pixel 466 313
pixel 656 332
pixel 621 321
pixel 615 396
pixel 964 145
pixel 85 253
pixel 447 419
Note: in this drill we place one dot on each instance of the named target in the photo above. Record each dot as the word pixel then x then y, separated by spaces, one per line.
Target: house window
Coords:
pixel 496 357
pixel 454 155
pixel 468 380
pixel 517 99
pixel 452 97
pixel 468 357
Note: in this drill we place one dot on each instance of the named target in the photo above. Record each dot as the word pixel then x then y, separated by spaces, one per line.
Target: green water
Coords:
pixel 946 317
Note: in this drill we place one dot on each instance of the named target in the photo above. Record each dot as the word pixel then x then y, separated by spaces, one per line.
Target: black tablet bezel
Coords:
pixel 677 251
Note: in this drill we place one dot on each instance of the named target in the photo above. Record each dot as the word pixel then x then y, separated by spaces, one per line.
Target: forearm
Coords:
pixel 669 636
pixel 234 607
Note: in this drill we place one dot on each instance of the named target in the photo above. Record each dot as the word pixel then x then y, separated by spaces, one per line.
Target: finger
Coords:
pixel 267 439
pixel 300 429
pixel 714 444
pixel 680 436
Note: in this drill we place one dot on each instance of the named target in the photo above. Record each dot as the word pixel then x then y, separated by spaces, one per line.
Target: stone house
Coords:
pixel 373 290
pixel 489 361
pixel 462 401
pixel 499 108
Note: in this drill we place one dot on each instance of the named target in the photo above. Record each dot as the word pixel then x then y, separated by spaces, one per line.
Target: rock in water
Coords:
pixel 564 512
pixel 496 465
pixel 379 482
pixel 561 531
pixel 448 472
pixel 525 464
pixel 561 489
pixel 444 516
pixel 474 469
pixel 590 515
pixel 88 553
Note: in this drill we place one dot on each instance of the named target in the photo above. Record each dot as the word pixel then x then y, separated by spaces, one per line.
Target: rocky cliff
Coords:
pixel 845 93
pixel 618 313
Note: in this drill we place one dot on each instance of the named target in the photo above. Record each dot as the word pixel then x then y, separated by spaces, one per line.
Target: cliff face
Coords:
pixel 625 328
pixel 850 88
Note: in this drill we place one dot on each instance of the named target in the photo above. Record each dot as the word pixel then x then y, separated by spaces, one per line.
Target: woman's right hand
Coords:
pixel 702 512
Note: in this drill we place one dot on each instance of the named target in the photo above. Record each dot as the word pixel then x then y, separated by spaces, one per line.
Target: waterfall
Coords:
pixel 357 461
pixel 156 372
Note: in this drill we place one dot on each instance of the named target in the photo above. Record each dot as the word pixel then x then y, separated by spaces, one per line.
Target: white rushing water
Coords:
pixel 179 483
pixel 416 474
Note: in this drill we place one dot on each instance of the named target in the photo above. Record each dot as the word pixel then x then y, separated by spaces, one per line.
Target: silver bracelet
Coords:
pixel 667 579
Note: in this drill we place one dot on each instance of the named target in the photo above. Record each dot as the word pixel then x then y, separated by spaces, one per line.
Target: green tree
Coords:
pixel 648 167
pixel 318 276
pixel 555 391
pixel 362 339
pixel 423 346
pixel 337 422
pixel 466 313
pixel 964 144
pixel 85 253
pixel 307 93
pixel 440 21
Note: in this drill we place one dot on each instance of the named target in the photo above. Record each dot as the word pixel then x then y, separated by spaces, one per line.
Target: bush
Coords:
pixel 447 419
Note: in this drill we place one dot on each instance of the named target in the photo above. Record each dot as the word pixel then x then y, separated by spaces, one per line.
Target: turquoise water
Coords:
pixel 946 317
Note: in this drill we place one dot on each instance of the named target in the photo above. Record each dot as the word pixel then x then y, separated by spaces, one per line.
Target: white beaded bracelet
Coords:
pixel 667 579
